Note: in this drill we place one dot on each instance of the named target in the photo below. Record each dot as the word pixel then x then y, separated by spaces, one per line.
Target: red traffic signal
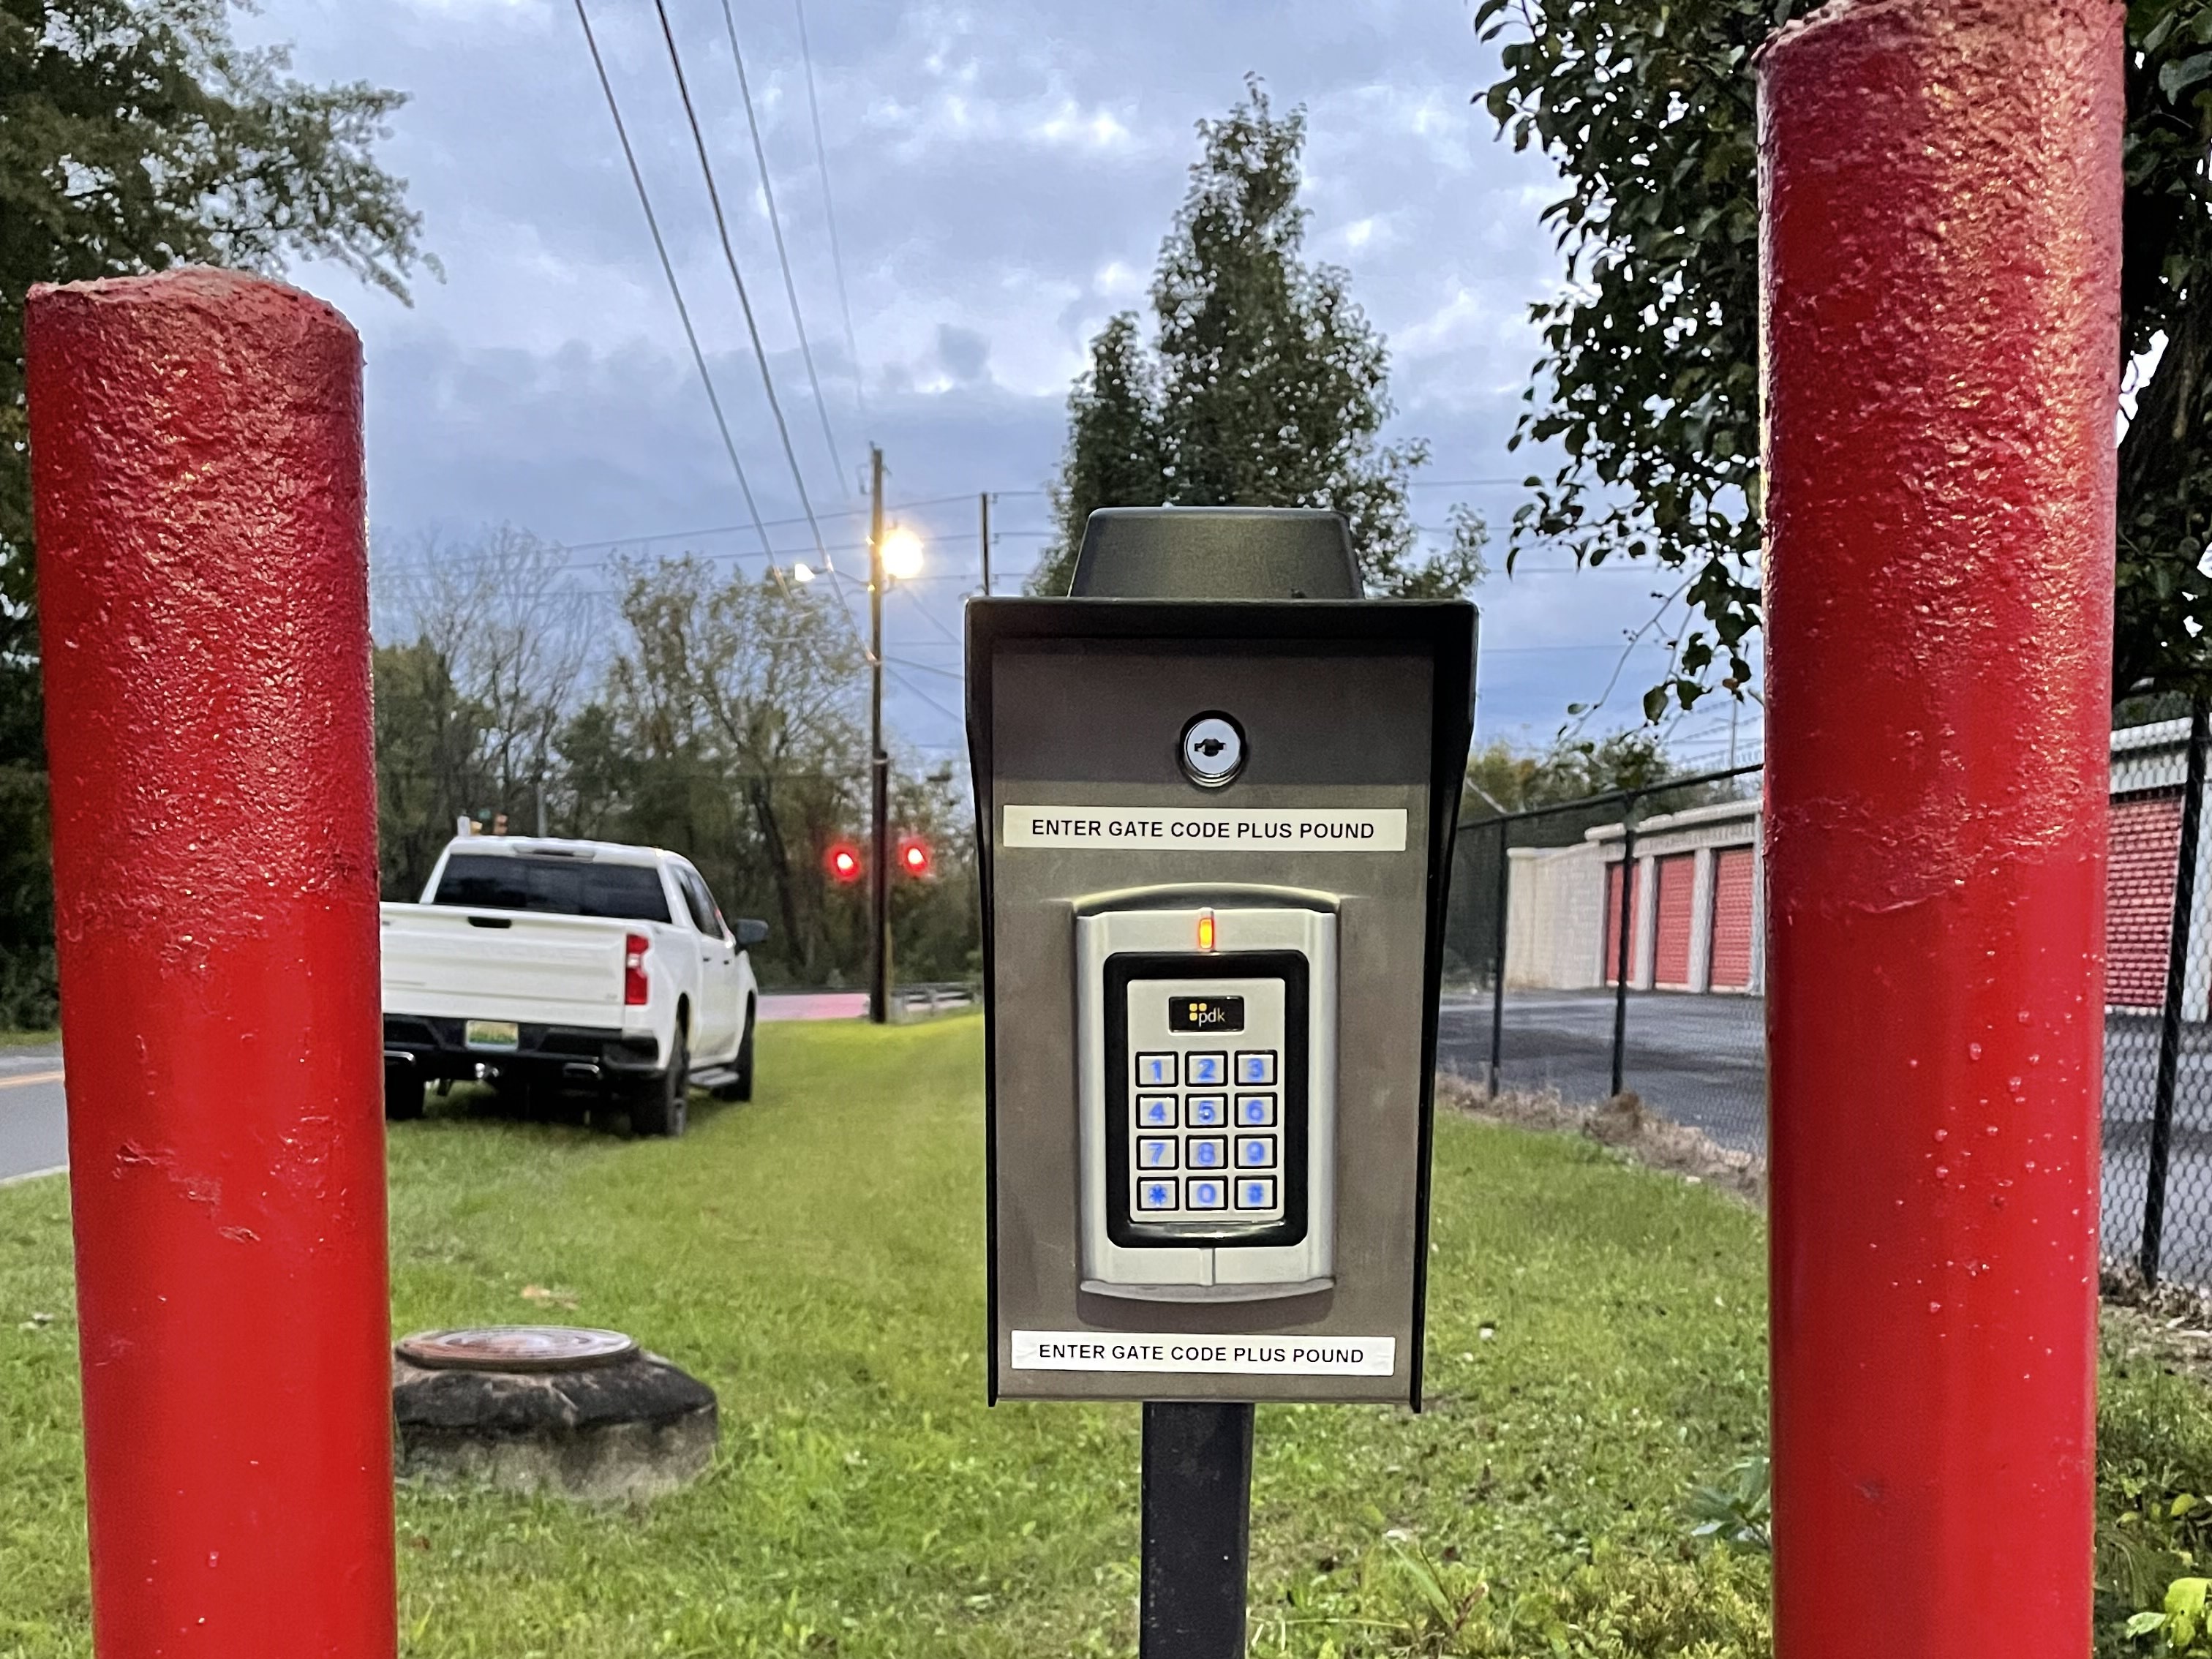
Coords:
pixel 843 862
pixel 913 856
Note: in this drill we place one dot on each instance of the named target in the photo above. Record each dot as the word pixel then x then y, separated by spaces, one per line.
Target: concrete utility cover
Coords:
pixel 516 1348
pixel 584 1414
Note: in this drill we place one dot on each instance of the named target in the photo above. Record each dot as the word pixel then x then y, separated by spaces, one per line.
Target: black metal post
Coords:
pixel 1627 934
pixel 1197 1529
pixel 1497 965
pixel 2177 976
pixel 879 765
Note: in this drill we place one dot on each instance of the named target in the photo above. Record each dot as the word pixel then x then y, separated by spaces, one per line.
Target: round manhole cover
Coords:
pixel 516 1348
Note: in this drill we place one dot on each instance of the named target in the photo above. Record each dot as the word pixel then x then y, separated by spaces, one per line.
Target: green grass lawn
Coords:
pixel 1597 1348
pixel 28 1039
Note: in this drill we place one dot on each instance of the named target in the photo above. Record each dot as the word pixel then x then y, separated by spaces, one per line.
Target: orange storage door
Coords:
pixel 1613 885
pixel 1677 876
pixel 2139 899
pixel 1732 910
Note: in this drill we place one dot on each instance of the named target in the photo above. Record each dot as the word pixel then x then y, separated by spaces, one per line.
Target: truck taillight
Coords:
pixel 635 991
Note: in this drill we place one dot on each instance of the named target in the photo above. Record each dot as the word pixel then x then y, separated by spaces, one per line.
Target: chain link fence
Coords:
pixel 1616 943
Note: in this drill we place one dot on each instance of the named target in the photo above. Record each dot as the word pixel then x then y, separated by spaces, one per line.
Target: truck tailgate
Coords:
pixel 500 964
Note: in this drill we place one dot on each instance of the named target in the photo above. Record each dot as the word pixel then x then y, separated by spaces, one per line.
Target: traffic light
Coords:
pixel 843 862
pixel 913 856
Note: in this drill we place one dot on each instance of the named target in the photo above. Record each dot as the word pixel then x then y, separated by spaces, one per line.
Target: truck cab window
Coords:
pixel 565 887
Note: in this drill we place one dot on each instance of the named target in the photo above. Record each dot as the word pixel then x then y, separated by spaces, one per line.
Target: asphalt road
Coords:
pixel 1698 1060
pixel 34 1127
pixel 1702 1060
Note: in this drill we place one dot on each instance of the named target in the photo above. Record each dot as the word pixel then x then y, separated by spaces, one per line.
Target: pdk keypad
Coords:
pixel 1195 1103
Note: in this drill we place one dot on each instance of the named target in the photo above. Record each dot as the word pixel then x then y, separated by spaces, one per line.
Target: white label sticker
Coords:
pixel 1205 1356
pixel 1218 828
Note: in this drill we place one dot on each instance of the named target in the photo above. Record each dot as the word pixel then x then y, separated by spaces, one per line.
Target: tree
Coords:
pixel 1267 386
pixel 1648 383
pixel 135 135
pixel 1113 456
pixel 502 617
pixel 428 739
pixel 749 691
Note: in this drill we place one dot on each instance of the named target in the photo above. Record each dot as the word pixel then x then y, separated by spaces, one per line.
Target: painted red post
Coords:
pixel 195 448
pixel 1941 256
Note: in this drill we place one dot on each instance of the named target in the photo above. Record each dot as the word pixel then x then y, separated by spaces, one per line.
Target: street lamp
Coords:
pixel 901 555
pixel 896 556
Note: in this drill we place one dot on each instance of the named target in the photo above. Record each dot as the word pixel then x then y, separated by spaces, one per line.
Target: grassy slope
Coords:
pixel 817 1257
pixel 28 1039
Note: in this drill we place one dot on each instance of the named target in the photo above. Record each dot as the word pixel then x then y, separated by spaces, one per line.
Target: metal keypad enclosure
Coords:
pixel 1078 711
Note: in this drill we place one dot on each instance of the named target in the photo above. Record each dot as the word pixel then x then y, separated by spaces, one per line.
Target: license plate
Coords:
pixel 494 1034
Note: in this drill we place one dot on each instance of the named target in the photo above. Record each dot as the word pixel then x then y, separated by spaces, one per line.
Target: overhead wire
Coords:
pixel 675 288
pixel 830 214
pixel 752 326
pixel 782 254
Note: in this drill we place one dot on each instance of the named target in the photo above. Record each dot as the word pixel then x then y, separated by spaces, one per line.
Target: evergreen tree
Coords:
pixel 1268 385
pixel 1113 445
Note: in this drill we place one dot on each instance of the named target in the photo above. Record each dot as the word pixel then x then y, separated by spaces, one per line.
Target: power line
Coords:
pixel 830 214
pixel 746 304
pixel 914 690
pixel 675 289
pixel 782 256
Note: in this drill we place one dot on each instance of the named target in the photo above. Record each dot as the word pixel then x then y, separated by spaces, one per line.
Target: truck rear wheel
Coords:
pixel 662 1105
pixel 740 1087
pixel 403 1094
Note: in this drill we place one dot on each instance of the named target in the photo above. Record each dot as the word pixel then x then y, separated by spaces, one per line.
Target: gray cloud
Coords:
pixel 1003 176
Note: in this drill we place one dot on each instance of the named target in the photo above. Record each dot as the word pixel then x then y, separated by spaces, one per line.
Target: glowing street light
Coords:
pixel 803 572
pixel 901 555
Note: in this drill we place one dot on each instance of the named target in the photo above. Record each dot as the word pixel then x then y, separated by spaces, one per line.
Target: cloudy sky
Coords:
pixel 1001 176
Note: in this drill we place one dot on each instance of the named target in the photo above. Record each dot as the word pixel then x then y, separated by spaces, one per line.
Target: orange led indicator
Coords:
pixel 1206 930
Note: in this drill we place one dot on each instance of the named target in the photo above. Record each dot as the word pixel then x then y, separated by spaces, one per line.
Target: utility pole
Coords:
pixel 879 765
pixel 984 501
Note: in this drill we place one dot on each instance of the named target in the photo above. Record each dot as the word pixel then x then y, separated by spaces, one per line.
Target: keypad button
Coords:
pixel 1205 1111
pixel 1156 1195
pixel 1256 1111
pixel 1155 1111
pixel 1256 1066
pixel 1255 1152
pixel 1156 1154
pixel 1206 1071
pixel 1156 1071
pixel 1206 1194
pixel 1206 1152
pixel 1256 1193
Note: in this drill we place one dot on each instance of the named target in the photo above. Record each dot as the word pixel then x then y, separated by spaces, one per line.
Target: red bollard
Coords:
pixel 1941 230
pixel 196 447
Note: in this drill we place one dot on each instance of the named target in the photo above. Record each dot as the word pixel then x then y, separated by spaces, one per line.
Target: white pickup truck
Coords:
pixel 568 963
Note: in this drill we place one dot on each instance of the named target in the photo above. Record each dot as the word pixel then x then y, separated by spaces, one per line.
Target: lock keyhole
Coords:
pixel 1212 749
